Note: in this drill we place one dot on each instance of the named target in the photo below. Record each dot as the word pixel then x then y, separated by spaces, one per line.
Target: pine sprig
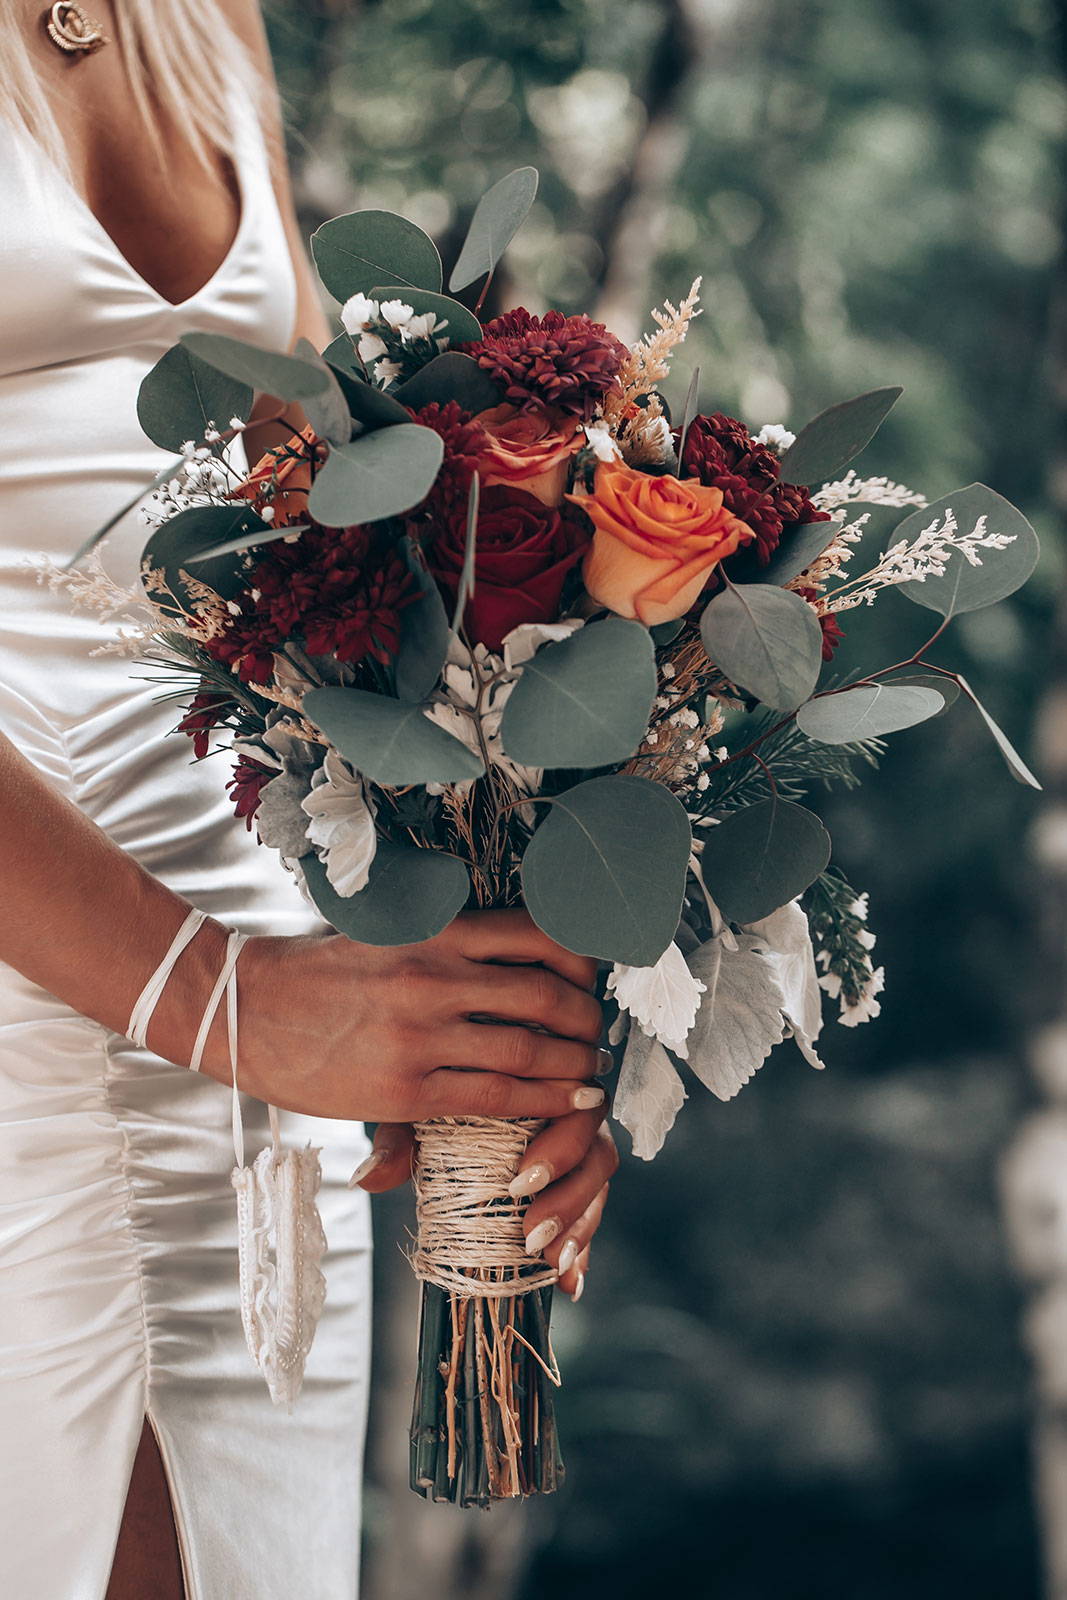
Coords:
pixel 795 762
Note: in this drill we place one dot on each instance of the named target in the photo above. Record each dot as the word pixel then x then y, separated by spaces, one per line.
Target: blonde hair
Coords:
pixel 181 59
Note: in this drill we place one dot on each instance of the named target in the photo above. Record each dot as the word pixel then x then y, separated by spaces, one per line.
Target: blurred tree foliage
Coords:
pixel 796 1361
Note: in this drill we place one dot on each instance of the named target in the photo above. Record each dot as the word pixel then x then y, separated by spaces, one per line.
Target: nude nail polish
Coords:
pixel 588 1097
pixel 579 1288
pixel 365 1168
pixel 567 1257
pixel 542 1235
pixel 531 1180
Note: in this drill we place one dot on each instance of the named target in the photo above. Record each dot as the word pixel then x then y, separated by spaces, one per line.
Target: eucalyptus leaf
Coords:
pixel 689 411
pixel 463 325
pixel 378 475
pixel 666 632
pixel 605 873
pixel 759 858
pixel 424 635
pixel 1014 761
pixel 946 687
pixel 411 895
pixel 266 371
pixel 450 376
pixel 829 442
pixel 368 405
pixel 867 712
pixel 799 547
pixel 964 587
pixel 327 412
pixel 584 701
pixel 181 542
pixel 354 252
pixel 497 218
pixel 389 741
pixel 248 539
pixel 183 395
pixel 766 640
pixel 466 578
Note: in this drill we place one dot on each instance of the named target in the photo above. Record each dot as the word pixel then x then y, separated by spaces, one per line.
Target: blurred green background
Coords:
pixel 797 1370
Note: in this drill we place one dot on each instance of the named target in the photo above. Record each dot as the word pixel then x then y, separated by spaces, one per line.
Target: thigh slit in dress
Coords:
pixel 118 1269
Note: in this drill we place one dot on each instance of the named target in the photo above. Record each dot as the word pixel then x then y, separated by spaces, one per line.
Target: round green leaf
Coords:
pixel 378 475
pixel 583 701
pixel 450 376
pixel 183 394
pixel 389 741
pixel 964 587
pixel 497 218
pixel 867 712
pixel 827 444
pixel 946 687
pixel 354 252
pixel 411 895
pixel 766 640
pixel 463 325
pixel 799 547
pixel 605 873
pixel 182 542
pixel 762 857
pixel 266 371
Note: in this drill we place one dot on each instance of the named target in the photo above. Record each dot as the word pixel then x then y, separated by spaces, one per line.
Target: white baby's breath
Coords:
pixel 775 437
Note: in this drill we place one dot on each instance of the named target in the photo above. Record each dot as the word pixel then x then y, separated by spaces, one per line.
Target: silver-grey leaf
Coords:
pixel 649 1095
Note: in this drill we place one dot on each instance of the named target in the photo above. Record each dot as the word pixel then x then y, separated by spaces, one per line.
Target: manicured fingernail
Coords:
pixel 585 1099
pixel 530 1180
pixel 579 1288
pixel 365 1168
pixel 542 1235
pixel 604 1062
pixel 567 1257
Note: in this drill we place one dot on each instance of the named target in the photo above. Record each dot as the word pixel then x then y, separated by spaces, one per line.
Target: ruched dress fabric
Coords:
pixel 118 1242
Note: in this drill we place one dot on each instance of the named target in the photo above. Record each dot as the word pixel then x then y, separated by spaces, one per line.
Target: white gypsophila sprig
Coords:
pixel 912 561
pixel 204 480
pixel 775 436
pixel 854 490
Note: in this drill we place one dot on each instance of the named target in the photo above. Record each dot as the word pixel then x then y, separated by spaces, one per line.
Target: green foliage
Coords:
pixel 757 859
pixel 766 640
pixel 204 538
pixel 583 701
pixel 327 411
pixel 797 763
pixel 389 741
pixel 497 218
pixel 824 447
pixel 450 376
pixel 605 872
pixel 183 394
pixel 963 585
pixel 376 476
pixel 424 635
pixel 867 712
pixel 1012 759
pixel 796 552
pixel 354 252
pixel 411 895
pixel 268 371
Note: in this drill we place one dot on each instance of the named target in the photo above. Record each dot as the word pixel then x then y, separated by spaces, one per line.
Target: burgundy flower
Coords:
pixel 567 362
pixel 832 631
pixel 464 442
pixel 207 711
pixel 339 590
pixel 720 451
pixel 523 554
pixel 246 785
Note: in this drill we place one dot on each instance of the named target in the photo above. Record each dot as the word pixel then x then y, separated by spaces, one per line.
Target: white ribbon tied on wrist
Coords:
pixel 280 1238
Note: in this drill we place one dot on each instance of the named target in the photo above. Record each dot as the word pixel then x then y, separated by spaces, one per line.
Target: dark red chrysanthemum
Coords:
pixel 246 785
pixel 207 711
pixel 721 452
pixel 336 589
pixel 464 439
pixel 567 362
pixel 832 631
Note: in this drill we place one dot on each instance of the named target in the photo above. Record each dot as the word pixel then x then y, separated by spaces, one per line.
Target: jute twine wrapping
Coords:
pixel 469 1238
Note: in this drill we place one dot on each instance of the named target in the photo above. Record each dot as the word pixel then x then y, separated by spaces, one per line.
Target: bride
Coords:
pixel 143 193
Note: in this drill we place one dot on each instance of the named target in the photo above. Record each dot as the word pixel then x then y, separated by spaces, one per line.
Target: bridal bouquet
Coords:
pixel 495 629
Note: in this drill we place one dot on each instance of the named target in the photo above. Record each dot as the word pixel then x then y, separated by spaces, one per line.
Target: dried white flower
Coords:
pixel 852 490
pixel 925 556
pixel 341 825
pixel 775 437
pixel 371 346
pixel 663 999
pixel 866 1007
pixel 386 372
pixel 395 313
pixel 357 312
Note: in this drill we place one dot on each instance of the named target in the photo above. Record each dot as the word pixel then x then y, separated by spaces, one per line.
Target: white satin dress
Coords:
pixel 118 1268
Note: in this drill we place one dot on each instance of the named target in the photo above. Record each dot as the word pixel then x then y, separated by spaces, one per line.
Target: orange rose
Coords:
pixel 293 471
pixel 657 540
pixel 528 449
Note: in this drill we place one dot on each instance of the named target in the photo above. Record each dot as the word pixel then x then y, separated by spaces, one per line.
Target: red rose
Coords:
pixel 524 552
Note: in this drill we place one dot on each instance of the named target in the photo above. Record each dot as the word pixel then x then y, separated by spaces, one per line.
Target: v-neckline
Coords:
pixel 149 289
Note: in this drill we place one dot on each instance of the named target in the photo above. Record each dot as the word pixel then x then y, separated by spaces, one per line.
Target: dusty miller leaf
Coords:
pixel 649 1095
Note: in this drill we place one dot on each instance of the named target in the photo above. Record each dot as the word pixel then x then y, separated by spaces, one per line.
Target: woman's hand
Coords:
pixel 566 1168
pixel 490 1018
